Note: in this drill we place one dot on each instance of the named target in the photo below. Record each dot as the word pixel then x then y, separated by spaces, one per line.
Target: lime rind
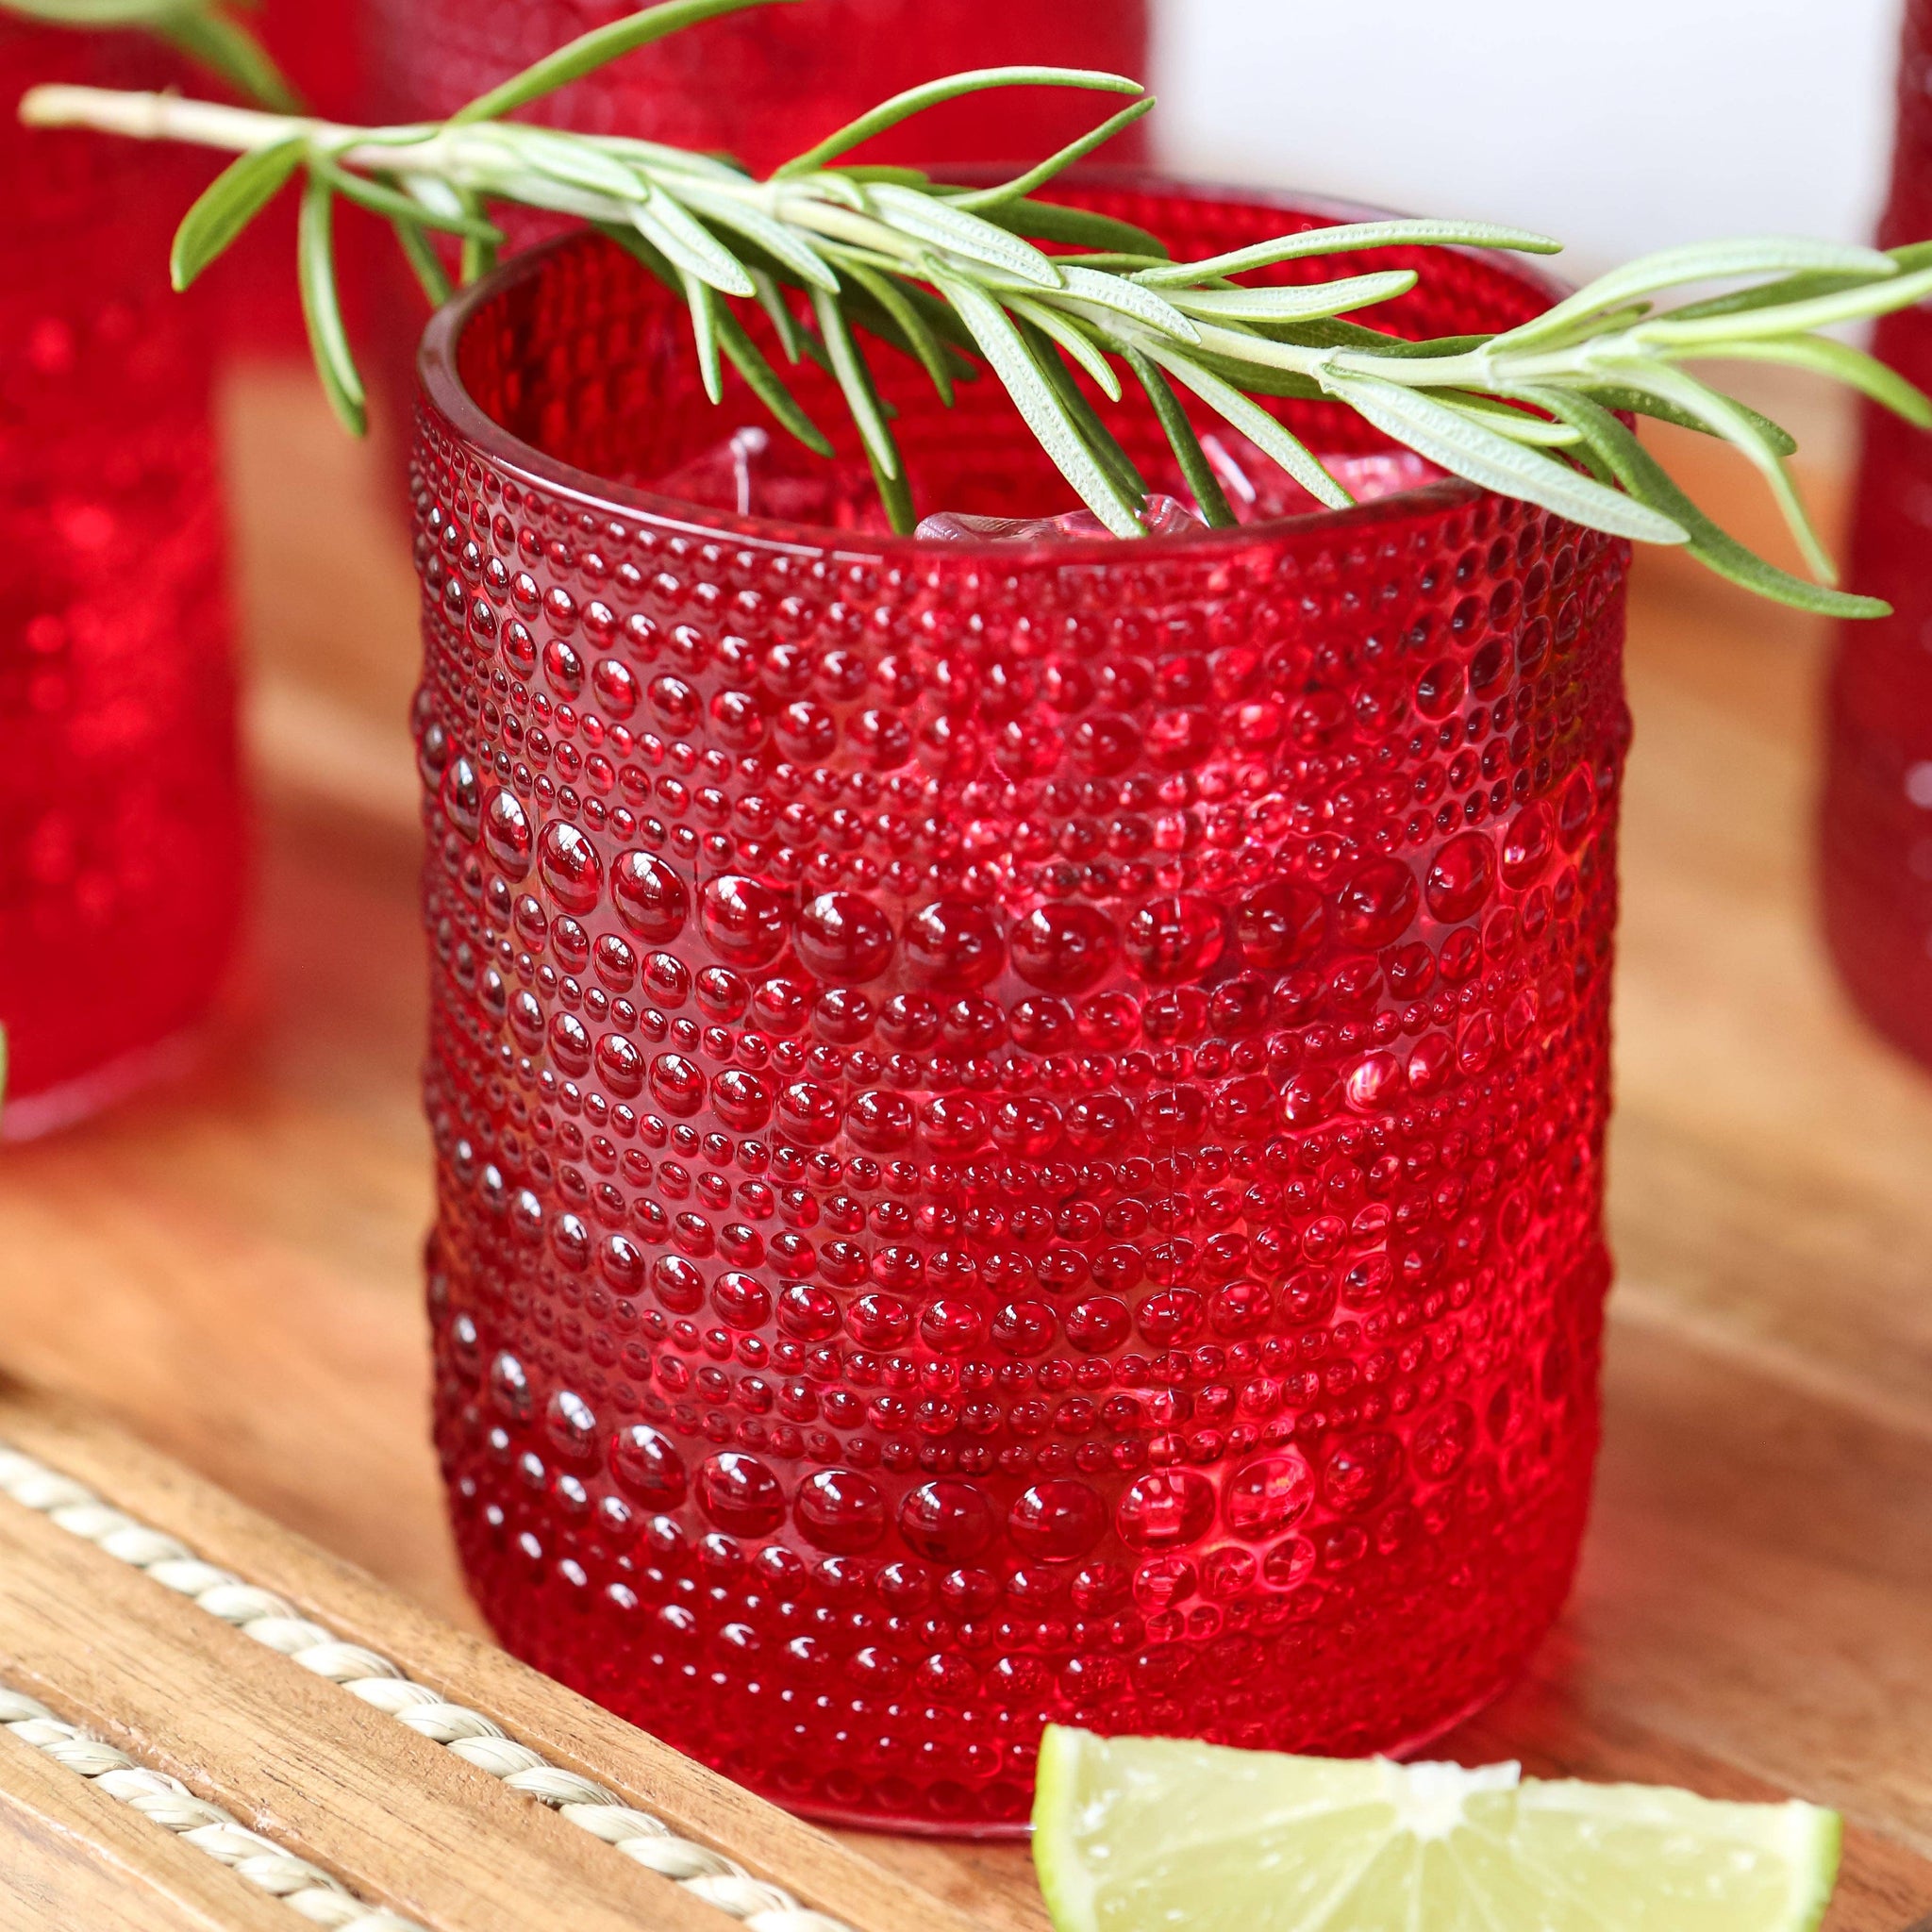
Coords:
pixel 1064 1879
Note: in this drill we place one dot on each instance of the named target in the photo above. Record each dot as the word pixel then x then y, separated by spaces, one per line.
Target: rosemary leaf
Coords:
pixel 1638 401
pixel 1795 318
pixel 1672 268
pixel 667 224
pixel 704 328
pixel 1100 440
pixel 1046 415
pixel 1254 422
pixel 1196 469
pixel 1064 331
pixel 1683 389
pixel 1842 363
pixel 1254 379
pixel 766 383
pixel 784 323
pixel 381 198
pixel 940 225
pixel 1480 455
pixel 227 205
pixel 932 93
pixel 1077 227
pixel 1022 184
pixel 743 354
pixel 573 163
pixel 1329 332
pixel 97 13
pixel 1346 236
pixel 228 48
pixel 322 308
pixel 479 253
pixel 1304 304
pixel 1645 478
pixel 921 340
pixel 595 49
pixel 1471 450
pixel 1503 417
pixel 1126 298
pixel 202 30
pixel 854 378
pixel 420 252
pixel 781 244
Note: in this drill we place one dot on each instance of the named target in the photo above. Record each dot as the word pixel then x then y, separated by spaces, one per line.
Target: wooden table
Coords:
pixel 230 1264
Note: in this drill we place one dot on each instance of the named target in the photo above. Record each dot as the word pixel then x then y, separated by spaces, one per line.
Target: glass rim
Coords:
pixel 440 383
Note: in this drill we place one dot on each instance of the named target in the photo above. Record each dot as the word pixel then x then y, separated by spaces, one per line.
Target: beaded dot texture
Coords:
pixel 121 812
pixel 1019 1129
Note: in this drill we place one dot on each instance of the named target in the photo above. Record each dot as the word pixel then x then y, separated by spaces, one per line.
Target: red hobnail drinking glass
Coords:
pixel 767 85
pixel 1877 819
pixel 763 86
pixel 1019 1127
pixel 121 852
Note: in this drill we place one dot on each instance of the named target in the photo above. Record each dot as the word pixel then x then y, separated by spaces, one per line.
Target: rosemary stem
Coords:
pixel 987 285
pixel 167 117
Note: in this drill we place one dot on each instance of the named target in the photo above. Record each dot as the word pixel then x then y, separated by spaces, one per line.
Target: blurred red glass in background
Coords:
pixel 319 46
pixel 121 814
pixel 1019 1128
pixel 767 83
pixel 763 86
pixel 1877 819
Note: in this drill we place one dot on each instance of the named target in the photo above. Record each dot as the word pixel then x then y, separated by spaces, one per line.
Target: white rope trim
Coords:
pixel 466 1733
pixel 319 1896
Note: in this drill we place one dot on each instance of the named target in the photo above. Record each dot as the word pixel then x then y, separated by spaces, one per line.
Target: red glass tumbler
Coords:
pixel 1876 818
pixel 763 87
pixel 120 802
pixel 769 84
pixel 1019 1127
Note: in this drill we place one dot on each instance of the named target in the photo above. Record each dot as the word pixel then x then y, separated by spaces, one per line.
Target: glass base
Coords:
pixel 1014 1831
pixel 54 1108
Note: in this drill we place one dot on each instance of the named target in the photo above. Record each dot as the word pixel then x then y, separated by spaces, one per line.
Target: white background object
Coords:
pixel 1621 126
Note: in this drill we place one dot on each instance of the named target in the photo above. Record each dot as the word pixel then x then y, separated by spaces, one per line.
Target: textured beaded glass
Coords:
pixel 120 807
pixel 1876 857
pixel 1019 1129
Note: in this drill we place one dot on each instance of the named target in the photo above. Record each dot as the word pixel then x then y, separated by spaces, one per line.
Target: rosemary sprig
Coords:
pixel 833 252
pixel 205 30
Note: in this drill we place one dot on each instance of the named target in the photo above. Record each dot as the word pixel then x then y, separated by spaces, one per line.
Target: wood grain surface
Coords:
pixel 133 1624
pixel 72 1856
pixel 231 1264
pixel 295 1758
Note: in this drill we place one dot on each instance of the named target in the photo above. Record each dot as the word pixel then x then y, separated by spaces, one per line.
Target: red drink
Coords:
pixel 1019 1127
pixel 768 84
pixel 1877 806
pixel 121 858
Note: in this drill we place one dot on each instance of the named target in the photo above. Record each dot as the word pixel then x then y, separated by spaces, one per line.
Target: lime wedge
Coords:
pixel 1157 1835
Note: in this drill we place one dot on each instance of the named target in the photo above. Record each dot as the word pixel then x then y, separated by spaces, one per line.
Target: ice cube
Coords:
pixel 753 474
pixel 1164 516
pixel 725 476
pixel 1257 488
